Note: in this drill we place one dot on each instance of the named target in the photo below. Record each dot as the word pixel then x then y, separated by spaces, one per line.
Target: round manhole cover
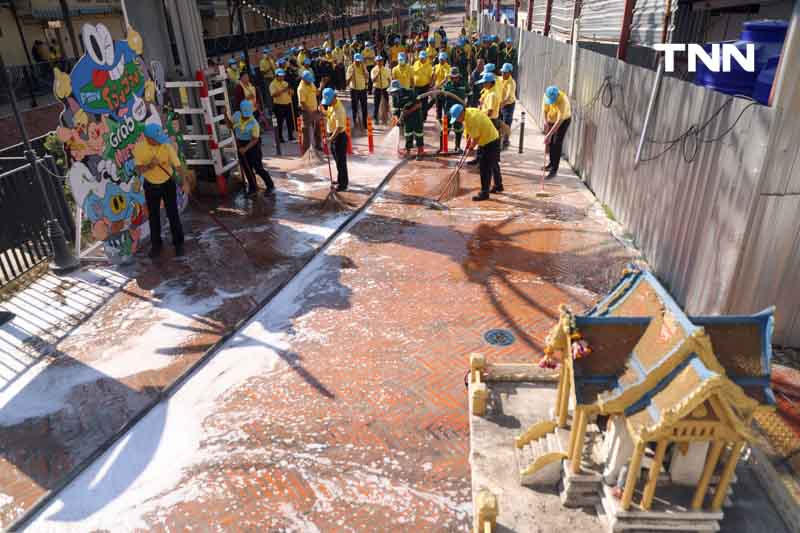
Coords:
pixel 499 337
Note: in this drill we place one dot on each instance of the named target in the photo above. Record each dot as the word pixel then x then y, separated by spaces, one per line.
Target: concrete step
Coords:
pixel 547 474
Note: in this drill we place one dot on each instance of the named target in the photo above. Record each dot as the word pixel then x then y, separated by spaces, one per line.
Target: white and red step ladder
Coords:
pixel 214 106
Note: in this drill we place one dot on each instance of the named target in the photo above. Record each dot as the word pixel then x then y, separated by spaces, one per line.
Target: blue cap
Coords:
pixel 280 72
pixel 328 50
pixel 246 107
pixel 282 61
pixel 358 57
pixel 379 58
pixel 401 58
pixel 487 77
pixel 232 61
pixel 307 61
pixel 489 67
pixel 431 40
pixel 242 55
pixel 423 55
pixel 328 95
pixel 507 68
pixel 455 112
pixel 486 38
pixel 442 56
pixel 551 94
pixel 397 40
pixel 395 86
pixel 156 133
pixel 509 40
pixel 267 50
pixel 293 50
pixel 308 76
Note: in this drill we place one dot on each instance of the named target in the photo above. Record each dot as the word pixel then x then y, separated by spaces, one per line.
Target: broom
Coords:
pixel 332 201
pixel 541 193
pixel 453 183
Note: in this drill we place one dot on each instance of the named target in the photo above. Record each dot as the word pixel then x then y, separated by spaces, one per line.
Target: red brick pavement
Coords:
pixel 361 424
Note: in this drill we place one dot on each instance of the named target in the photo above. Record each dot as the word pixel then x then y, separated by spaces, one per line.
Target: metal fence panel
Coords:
pixel 539 12
pixel 23 230
pixel 647 24
pixel 695 207
pixel 601 20
pixel 561 19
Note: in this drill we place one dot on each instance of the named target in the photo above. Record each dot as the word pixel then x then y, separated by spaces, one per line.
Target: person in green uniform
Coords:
pixel 408 111
pixel 456 86
pixel 509 53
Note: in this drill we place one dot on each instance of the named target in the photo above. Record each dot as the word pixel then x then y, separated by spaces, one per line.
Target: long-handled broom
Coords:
pixel 332 201
pixel 541 193
pixel 453 184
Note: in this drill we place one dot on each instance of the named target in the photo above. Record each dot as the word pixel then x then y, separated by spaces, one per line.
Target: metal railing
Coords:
pixel 24 241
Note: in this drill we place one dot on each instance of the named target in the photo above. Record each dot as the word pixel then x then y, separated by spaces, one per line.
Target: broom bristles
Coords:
pixel 451 187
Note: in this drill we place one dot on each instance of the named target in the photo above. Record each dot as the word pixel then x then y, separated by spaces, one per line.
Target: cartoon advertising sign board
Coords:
pixel 109 97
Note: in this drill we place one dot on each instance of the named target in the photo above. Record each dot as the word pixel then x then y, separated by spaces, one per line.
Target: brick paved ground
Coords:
pixel 341 406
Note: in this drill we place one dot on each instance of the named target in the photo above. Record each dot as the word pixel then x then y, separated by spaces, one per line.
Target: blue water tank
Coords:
pixel 763 86
pixel 768 37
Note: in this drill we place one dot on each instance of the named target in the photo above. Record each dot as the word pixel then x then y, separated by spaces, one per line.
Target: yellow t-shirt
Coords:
pixel 490 103
pixel 394 51
pixel 369 56
pixel 338 55
pixel 276 87
pixel 560 109
pixel 441 73
pixel 336 118
pixel 478 127
pixel 144 153
pixel 509 91
pixel 233 74
pixel 404 74
pixel 423 72
pixel 301 57
pixel 267 67
pixel 358 77
pixel 307 96
pixel 381 77
pixel 249 91
pixel 432 53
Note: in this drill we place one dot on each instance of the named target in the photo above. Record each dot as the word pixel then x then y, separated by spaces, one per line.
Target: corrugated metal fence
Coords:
pixel 694 200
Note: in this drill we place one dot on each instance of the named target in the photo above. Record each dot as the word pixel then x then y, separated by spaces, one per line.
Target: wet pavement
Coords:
pixel 341 405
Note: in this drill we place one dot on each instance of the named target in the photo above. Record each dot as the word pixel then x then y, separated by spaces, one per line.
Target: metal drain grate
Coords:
pixel 499 337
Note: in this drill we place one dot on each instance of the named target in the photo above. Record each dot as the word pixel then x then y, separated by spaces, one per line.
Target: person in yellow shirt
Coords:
pixel 233 70
pixel 403 72
pixel 431 49
pixel 267 67
pixel 381 77
pixel 357 76
pixel 490 101
pixel 301 54
pixel 158 163
pixel 281 94
pixel 481 133
pixel 423 76
pixel 557 112
pixel 336 127
pixel 248 142
pixel 394 52
pixel 508 101
pixel 441 75
pixel 307 99
pixel 369 60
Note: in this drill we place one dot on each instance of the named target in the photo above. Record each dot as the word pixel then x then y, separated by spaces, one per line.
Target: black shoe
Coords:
pixel 497 189
pixel 341 188
pixel 155 251
pixel 472 162
pixel 551 174
pixel 179 252
pixel 481 197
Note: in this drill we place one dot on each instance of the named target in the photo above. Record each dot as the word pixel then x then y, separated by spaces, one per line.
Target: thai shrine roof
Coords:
pixel 642 343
